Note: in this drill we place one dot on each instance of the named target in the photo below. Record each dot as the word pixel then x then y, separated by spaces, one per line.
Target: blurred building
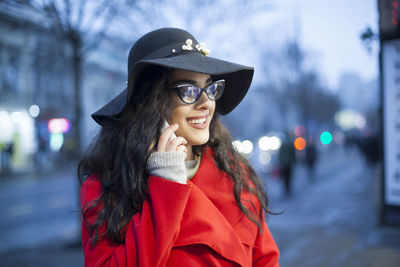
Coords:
pixel 360 102
pixel 389 36
pixel 36 86
pixel 357 94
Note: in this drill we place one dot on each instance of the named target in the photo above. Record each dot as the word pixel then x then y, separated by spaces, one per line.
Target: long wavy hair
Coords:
pixel 119 153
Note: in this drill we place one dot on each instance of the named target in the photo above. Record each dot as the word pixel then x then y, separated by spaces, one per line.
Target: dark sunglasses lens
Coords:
pixel 189 94
pixel 215 90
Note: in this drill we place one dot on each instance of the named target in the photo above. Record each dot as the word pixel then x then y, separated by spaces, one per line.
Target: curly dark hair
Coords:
pixel 119 153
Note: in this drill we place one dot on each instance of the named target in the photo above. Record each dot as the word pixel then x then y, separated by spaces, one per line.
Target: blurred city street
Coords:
pixel 330 220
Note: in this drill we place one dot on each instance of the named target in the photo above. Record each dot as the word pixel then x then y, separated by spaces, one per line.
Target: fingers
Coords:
pixel 181 148
pixel 165 136
pixel 175 143
pixel 165 143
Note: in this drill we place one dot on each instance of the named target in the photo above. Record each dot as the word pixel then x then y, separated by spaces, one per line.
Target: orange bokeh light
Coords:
pixel 300 143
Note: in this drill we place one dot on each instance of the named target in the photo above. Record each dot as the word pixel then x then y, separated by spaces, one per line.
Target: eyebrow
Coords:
pixel 208 81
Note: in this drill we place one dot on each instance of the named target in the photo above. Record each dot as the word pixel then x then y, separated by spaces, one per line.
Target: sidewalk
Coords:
pixel 51 255
pixel 18 175
pixel 332 220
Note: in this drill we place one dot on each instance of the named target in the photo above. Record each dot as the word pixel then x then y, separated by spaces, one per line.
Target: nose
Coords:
pixel 204 102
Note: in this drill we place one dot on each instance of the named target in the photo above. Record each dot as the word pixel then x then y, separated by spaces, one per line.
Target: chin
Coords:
pixel 198 141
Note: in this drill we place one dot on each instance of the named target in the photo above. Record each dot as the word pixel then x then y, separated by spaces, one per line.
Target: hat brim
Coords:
pixel 237 81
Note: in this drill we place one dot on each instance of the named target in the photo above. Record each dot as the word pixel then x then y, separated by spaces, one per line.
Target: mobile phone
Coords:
pixel 164 127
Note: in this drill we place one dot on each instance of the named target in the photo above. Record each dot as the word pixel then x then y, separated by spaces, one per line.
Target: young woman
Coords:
pixel 179 195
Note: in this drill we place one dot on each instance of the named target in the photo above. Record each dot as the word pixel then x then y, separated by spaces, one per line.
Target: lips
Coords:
pixel 198 122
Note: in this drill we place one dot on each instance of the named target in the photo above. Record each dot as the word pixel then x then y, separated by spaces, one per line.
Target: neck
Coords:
pixel 190 154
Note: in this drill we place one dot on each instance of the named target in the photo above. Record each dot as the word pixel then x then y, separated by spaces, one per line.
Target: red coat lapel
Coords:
pixel 212 216
pixel 204 224
pixel 218 188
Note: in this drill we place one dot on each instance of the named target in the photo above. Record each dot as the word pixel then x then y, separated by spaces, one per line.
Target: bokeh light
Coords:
pixel 17 116
pixel 349 119
pixel 34 111
pixel 299 130
pixel 338 137
pixel 238 145
pixel 264 157
pixel 266 143
pixel 60 125
pixel 300 143
pixel 263 143
pixel 6 127
pixel 56 141
pixel 247 146
pixel 326 138
pixel 275 143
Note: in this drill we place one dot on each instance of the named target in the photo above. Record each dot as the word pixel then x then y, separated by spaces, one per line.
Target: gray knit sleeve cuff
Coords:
pixel 169 165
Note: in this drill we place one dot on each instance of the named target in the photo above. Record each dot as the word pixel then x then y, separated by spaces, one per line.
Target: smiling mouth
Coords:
pixel 197 122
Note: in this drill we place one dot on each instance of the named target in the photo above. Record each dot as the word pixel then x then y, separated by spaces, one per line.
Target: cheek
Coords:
pixel 213 107
pixel 212 111
pixel 173 111
pixel 177 115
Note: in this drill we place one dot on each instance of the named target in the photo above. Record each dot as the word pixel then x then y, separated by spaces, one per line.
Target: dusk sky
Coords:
pixel 330 30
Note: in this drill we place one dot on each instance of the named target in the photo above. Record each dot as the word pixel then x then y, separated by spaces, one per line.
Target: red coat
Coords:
pixel 193 224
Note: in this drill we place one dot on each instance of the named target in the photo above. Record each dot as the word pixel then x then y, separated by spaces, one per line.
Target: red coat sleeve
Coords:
pixel 265 250
pixel 150 234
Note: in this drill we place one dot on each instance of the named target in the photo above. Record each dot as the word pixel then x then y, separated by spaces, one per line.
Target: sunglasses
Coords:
pixel 189 93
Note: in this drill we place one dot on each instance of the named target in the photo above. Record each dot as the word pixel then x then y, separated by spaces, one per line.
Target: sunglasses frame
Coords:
pixel 178 91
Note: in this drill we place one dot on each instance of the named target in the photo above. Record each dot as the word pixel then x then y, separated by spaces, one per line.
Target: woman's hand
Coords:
pixel 168 161
pixel 165 143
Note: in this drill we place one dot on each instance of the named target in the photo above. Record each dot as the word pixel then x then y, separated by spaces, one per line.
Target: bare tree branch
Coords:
pixel 54 13
pixel 104 12
pixel 67 15
pixel 100 9
pixel 81 11
pixel 93 44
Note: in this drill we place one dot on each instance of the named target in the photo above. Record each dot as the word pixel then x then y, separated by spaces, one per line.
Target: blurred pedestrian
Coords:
pixel 150 198
pixel 287 158
pixel 370 148
pixel 311 157
pixel 7 151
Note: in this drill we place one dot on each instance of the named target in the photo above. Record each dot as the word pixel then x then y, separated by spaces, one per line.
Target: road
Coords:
pixel 39 225
pixel 37 210
pixel 328 221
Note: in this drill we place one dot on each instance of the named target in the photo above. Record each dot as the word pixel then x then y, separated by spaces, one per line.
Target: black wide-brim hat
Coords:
pixel 178 49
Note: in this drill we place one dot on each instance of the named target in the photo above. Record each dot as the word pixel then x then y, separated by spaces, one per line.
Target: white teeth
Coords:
pixel 199 121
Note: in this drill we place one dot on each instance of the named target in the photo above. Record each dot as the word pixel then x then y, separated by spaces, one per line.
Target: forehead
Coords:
pixel 179 75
